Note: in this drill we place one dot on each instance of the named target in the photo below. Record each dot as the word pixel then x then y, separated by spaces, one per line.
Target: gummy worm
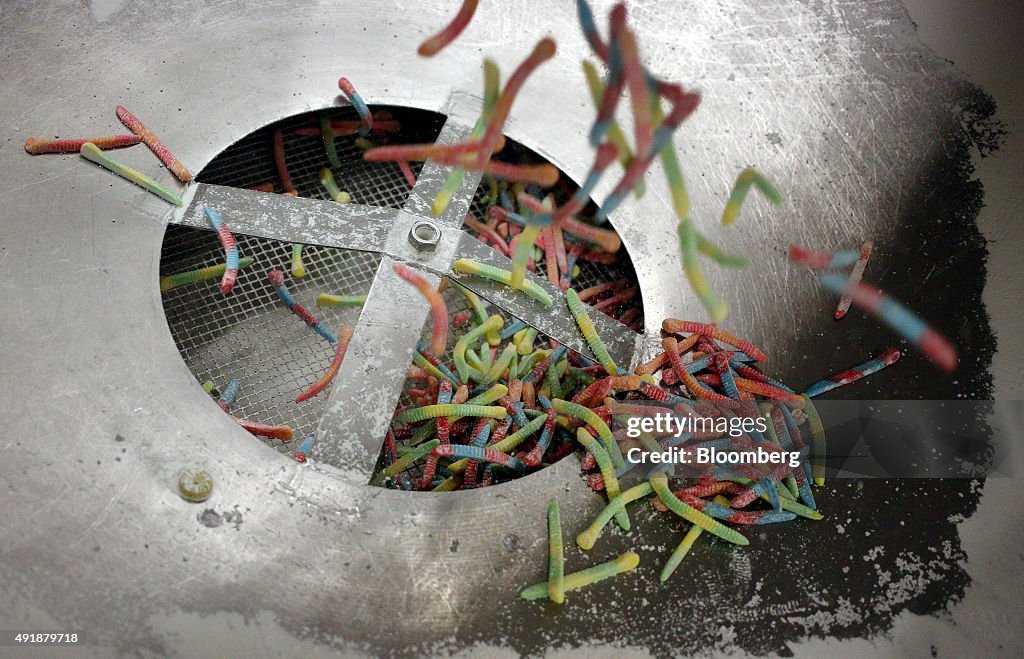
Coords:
pixel 169 282
pixel 588 538
pixel 727 514
pixel 887 358
pixel 659 482
pixel 500 365
pixel 901 319
pixel 410 178
pixel 579 313
pixel 525 345
pixel 618 299
pixel 680 552
pixel 155 145
pixel 36 145
pixel 713 252
pixel 855 277
pixel 436 363
pixel 543 51
pixel 556 555
pixel 550 260
pixel 439 337
pixel 613 132
pixel 699 391
pixel 604 464
pixel 298 267
pixel 439 41
pixel 282 166
pixel 769 391
pixel 427 151
pixel 211 388
pixel 434 411
pixel 634 75
pixel 674 326
pixel 589 26
pixel 534 457
pixel 343 338
pixel 658 362
pixel 683 104
pixel 598 289
pixel 480 436
pixel 544 364
pixel 514 328
pixel 587 416
pixel 466 340
pixel 228 396
pixel 345 127
pixel 521 256
pixel 284 433
pixel 365 117
pixel 503 276
pixel 327 133
pixel 328 300
pixel 455 178
pixel 336 194
pixel 227 241
pixel 404 461
pixel 822 260
pixel 91 152
pixel 299 455
pixel 475 303
pixel 479 454
pixel 691 268
pixel 485 231
pixel 739 192
pixel 817 441
pixel 623 563
pixel 673 173
pixel 277 281
pixel 506 444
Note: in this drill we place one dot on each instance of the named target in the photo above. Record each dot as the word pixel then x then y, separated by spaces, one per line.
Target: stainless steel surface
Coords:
pixel 838 101
pixel 289 219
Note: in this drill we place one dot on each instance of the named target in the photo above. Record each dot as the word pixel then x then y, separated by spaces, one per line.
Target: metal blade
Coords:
pixel 289 219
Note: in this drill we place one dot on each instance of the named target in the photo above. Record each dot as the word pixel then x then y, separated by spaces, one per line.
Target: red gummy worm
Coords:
pixel 410 178
pixel 284 433
pixel 674 326
pixel 37 145
pixel 343 338
pixel 439 41
pixel 429 151
pixel 550 260
pixel 155 145
pixel 346 127
pixel 282 166
pixel 617 299
pixel 769 391
pixel 460 319
pixel 672 348
pixel 635 78
pixel 543 51
pixel 658 362
pixel 607 287
pixel 365 116
pixel 438 308
pixel 487 231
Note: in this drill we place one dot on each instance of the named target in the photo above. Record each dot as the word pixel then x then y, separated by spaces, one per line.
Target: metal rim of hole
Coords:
pixel 236 166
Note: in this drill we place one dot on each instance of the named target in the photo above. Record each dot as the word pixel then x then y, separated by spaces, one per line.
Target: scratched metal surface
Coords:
pixel 834 100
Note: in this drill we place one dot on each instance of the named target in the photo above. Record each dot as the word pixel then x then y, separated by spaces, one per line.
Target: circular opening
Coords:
pixel 249 336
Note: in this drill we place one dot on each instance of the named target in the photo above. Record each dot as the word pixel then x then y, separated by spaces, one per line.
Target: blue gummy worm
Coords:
pixel 230 392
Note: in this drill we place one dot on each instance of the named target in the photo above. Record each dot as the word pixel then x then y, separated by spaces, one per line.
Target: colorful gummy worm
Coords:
pixel 439 41
pixel 277 281
pixel 901 319
pixel 169 282
pixel 855 276
pixel 887 358
pixel 344 336
pixel 36 145
pixel 91 152
pixel 365 117
pixel 502 276
pixel 438 308
pixel 227 241
pixel 155 145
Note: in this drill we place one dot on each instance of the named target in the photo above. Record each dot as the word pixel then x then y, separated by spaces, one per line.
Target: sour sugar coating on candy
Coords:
pixel 151 140
pixel 37 145
pixel 91 152
pixel 277 281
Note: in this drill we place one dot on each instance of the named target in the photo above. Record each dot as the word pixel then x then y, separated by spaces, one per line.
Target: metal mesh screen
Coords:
pixel 249 335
